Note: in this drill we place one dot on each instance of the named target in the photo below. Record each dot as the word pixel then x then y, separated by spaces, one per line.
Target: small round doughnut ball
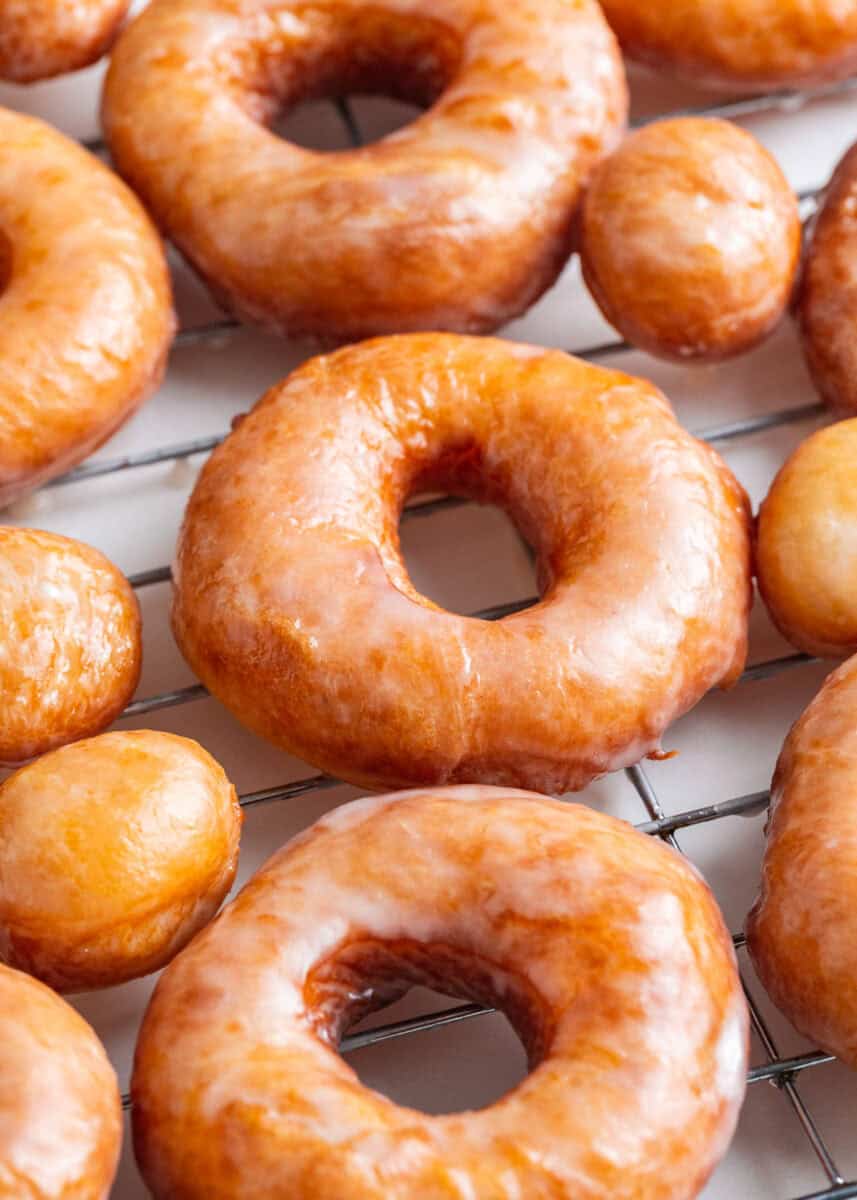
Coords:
pixel 60 1115
pixel 114 852
pixel 690 240
pixel 806 544
pixel 70 645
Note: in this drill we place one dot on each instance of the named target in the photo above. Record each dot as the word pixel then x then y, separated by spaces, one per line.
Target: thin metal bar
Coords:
pixel 288 791
pixel 740 806
pixel 751 106
pixel 143 458
pixel 148 578
pixel 396 1029
pixel 750 425
pixel 349 120
pixel 774 1071
pixel 774 666
pixel 845 1192
pixel 185 695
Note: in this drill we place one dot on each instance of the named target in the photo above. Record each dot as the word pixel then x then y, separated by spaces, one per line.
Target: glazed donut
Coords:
pixel 294 607
pixel 459 221
pixel 60 1118
pixel 565 919
pixel 43 38
pixel 806 559
pixel 87 309
pixel 751 44
pixel 70 646
pixel 827 306
pixel 690 239
pixel 801 931
pixel 113 853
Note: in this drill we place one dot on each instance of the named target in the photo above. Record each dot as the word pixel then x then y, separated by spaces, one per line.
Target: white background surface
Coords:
pixel 470 558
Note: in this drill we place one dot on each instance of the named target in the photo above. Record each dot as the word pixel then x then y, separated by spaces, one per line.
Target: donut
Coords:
pixel 801 931
pixel 43 38
pixel 806 557
pixel 86 300
pixel 753 44
pixel 113 853
pixel 827 302
pixel 459 221
pixel 569 921
pixel 690 239
pixel 70 645
pixel 60 1117
pixel 293 605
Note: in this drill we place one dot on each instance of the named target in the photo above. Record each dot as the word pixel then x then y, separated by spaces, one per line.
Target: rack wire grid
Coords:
pixel 784 1071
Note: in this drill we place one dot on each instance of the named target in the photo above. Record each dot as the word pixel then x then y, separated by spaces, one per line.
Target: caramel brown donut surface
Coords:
pixel 60 1118
pixel 806 546
pixel 69 642
pixel 42 38
pixel 113 853
pixel 293 605
pixel 827 308
pixel 740 43
pixel 690 239
pixel 802 932
pixel 85 303
pixel 569 921
pixel 458 221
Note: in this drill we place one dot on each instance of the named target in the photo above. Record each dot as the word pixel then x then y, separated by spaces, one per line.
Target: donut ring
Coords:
pixel 60 1116
pixel 293 605
pixel 754 44
pixel 114 853
pixel 801 931
pixel 539 907
pixel 70 648
pixel 690 239
pixel 806 559
pixel 43 38
pixel 827 306
pixel 79 258
pixel 459 221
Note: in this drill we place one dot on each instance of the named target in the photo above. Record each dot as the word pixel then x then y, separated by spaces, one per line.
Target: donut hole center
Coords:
pixel 405 980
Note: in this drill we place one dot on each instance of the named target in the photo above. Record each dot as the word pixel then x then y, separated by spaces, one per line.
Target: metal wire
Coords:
pixel 780 1071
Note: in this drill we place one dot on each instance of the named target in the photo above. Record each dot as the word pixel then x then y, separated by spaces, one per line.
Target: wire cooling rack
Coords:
pixel 782 1071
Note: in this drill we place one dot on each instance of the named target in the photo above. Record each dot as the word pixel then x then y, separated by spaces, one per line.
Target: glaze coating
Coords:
pixel 806 553
pixel 604 948
pixel 114 852
pixel 60 1117
pixel 293 605
pixel 458 221
pixel 43 38
pixel 70 645
pixel 690 239
pixel 801 931
pixel 741 43
pixel 827 308
pixel 86 314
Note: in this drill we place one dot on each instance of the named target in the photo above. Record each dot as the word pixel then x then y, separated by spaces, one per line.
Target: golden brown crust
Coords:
pixel 70 642
pixel 604 948
pixel 293 605
pixel 801 931
pixel 43 38
pixel 60 1117
pixel 82 261
pixel 741 43
pixel 459 221
pixel 690 239
pixel 115 852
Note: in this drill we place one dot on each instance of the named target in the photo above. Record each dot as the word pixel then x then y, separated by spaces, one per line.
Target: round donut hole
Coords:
pixel 341 124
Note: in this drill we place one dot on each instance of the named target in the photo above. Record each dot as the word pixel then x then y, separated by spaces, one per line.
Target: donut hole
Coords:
pixel 364 978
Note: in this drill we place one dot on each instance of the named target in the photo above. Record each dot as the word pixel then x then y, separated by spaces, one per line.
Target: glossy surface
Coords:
pixel 85 304
pixel 690 239
pixel 458 221
pixel 827 310
pixel 60 1120
pixel 801 932
pixel 293 604
pixel 806 549
pixel 114 852
pixel 42 38
pixel 604 948
pixel 69 642
pixel 740 43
